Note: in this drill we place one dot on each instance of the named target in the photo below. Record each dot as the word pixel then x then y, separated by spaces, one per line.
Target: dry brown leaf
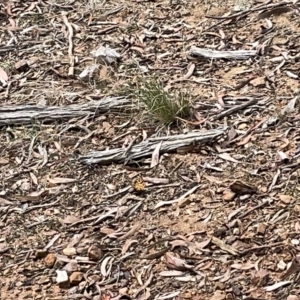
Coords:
pixel 176 263
pixel 221 244
pixel 135 228
pixel 35 196
pixel 260 278
pixel 246 266
pixel 3 76
pixel 227 157
pixel 155 255
pixel 5 202
pixel 226 276
pixel 245 140
pixel 203 244
pixel 292 269
pixel 274 11
pixel 70 219
pixel 127 244
pixel 107 230
pixel 3 161
pixel 33 178
pixel 171 273
pixel 213 179
pixel 231 134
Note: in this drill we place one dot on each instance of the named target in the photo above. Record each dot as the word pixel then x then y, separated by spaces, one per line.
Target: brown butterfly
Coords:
pixel 139 185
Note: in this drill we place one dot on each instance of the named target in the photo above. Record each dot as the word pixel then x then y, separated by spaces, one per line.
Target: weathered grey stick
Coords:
pixel 6 49
pixel 27 114
pixel 235 54
pixel 146 148
pixel 234 109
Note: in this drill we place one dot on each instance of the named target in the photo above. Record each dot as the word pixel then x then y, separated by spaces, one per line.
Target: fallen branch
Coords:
pixel 256 8
pixel 146 148
pixel 27 114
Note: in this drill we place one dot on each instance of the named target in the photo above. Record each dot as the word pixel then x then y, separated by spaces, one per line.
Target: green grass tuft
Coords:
pixel 162 105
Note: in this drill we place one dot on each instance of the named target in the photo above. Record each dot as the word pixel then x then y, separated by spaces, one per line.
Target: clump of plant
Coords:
pixel 162 105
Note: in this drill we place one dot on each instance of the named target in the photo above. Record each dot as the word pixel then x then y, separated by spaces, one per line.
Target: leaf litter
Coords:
pixel 217 220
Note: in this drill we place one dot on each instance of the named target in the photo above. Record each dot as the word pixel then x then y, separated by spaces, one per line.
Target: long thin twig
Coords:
pixel 261 247
pixel 234 109
pixel 70 50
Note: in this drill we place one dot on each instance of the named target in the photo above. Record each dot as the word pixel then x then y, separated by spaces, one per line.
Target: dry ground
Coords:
pixel 224 240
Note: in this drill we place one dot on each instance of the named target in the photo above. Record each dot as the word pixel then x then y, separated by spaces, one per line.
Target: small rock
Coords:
pixel 25 186
pixel 76 278
pixel 69 251
pixel 281 265
pixel 236 231
pixel 72 266
pixel 62 279
pixel 18 283
pixel 286 199
pixel 242 126
pixel 50 260
pixel 95 253
pixel 228 195
pixel 264 189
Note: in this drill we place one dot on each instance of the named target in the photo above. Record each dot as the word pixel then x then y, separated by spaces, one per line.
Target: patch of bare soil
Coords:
pixel 212 221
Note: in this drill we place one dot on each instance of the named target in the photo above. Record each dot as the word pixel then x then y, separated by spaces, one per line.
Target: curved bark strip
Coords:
pixel 146 148
pixel 28 114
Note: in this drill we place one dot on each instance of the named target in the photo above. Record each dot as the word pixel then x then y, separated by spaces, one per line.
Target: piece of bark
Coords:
pixel 234 54
pixel 146 148
pixel 27 114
